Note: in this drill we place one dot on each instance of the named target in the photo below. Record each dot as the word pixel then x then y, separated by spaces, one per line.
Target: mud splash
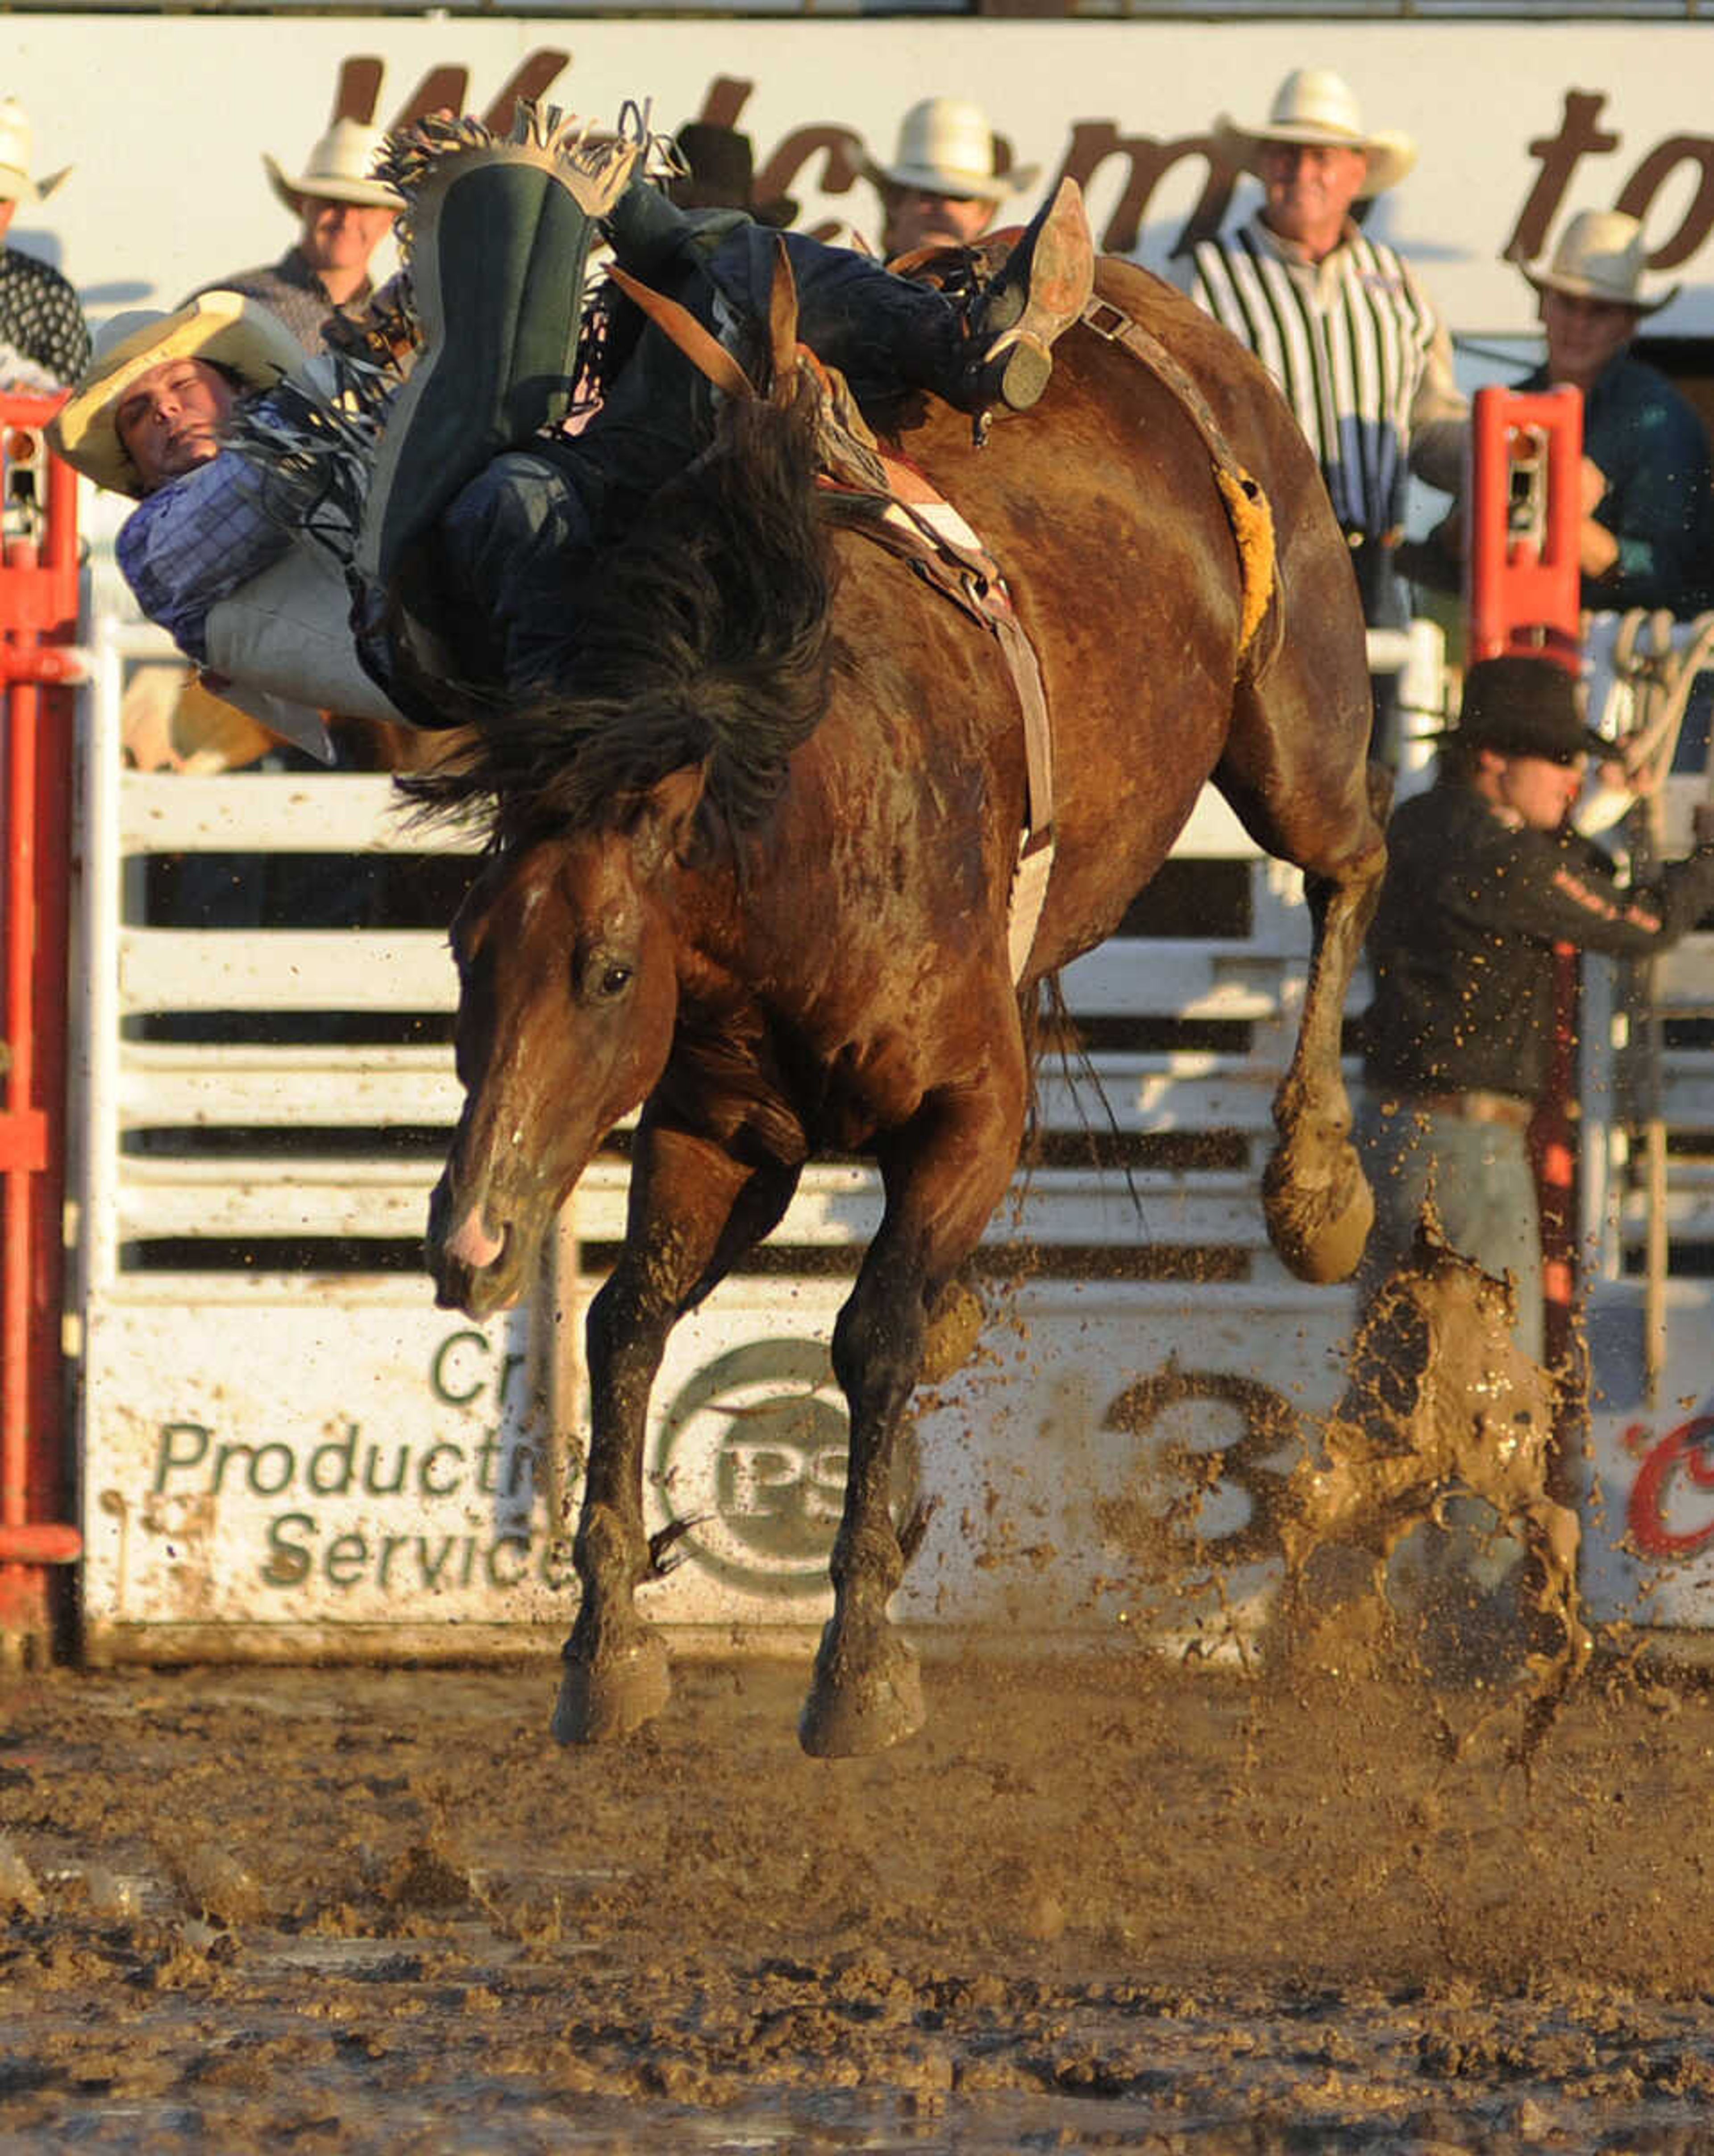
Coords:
pixel 1441 1405
pixel 1105 1902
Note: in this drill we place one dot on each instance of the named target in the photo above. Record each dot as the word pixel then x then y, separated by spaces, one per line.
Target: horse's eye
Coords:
pixel 601 973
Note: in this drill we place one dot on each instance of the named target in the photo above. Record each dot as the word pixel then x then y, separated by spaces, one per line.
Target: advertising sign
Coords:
pixel 389 1471
pixel 1517 125
pixel 1648 1513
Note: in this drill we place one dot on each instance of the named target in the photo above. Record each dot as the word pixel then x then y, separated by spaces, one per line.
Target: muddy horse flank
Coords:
pixel 752 871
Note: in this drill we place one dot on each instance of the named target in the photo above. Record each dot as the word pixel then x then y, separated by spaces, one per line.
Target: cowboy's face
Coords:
pixel 1537 790
pixel 1583 336
pixel 342 235
pixel 1309 188
pixel 170 419
pixel 917 218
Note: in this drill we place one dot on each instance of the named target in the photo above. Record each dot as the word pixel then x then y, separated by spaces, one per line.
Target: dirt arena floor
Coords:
pixel 1096 1904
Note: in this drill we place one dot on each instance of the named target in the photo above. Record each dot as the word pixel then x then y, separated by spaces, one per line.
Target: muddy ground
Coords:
pixel 1100 1904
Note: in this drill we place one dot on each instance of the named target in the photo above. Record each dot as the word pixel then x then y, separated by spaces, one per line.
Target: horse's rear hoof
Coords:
pixel 861 1702
pixel 603 1700
pixel 954 1327
pixel 1318 1223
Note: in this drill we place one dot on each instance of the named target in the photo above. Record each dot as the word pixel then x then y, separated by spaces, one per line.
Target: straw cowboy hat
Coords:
pixel 221 327
pixel 16 184
pixel 1600 256
pixel 946 147
pixel 339 169
pixel 1314 105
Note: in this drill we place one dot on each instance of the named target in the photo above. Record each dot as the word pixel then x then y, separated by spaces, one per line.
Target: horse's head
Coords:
pixel 568 989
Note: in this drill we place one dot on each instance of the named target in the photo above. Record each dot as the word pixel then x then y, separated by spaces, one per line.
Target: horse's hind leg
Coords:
pixel 944 1176
pixel 694 1212
pixel 1296 775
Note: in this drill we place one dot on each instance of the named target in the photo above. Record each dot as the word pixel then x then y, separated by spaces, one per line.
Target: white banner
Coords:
pixel 165 119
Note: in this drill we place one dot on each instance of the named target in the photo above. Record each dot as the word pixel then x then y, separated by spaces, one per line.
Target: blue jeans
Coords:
pixel 1484 1189
pixel 518 537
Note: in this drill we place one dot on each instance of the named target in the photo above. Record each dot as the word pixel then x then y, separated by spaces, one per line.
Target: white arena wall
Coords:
pixel 1519 123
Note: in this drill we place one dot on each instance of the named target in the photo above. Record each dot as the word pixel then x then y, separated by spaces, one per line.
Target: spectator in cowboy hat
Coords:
pixel 949 175
pixel 1647 537
pixel 1338 319
pixel 721 174
pixel 1647 533
pixel 44 340
pixel 343 213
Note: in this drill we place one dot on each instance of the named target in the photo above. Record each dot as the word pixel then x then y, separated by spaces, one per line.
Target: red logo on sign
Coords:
pixel 1682 1452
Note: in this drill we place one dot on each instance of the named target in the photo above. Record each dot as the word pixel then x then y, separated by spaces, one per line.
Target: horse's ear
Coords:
pixel 782 325
pixel 662 821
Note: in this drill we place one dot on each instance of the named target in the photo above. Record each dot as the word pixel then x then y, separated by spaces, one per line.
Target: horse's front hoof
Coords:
pixel 862 1701
pixel 607 1696
pixel 1318 1220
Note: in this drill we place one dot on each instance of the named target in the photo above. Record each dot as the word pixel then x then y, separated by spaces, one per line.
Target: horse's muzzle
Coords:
pixel 468 1260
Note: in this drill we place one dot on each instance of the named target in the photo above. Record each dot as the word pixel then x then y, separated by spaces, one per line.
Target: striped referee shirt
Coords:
pixel 1355 344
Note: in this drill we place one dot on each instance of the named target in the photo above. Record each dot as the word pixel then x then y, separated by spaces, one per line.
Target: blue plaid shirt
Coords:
pixel 193 541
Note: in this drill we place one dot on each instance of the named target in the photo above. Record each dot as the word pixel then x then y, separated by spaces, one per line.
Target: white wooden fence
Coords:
pixel 287 1450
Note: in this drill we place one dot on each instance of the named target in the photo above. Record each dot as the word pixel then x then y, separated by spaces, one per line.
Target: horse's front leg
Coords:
pixel 693 1211
pixel 944 1175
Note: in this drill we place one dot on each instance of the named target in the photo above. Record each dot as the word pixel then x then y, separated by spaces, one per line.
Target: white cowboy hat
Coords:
pixel 222 327
pixel 339 169
pixel 16 184
pixel 946 147
pixel 1314 105
pixel 1600 256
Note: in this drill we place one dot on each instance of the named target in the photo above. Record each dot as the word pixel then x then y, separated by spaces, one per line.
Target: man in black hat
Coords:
pixel 720 173
pixel 1484 874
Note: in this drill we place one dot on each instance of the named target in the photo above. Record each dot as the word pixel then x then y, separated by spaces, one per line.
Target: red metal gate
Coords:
pixel 38 603
pixel 1525 596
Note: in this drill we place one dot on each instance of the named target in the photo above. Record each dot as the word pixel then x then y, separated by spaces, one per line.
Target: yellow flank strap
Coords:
pixel 1252 522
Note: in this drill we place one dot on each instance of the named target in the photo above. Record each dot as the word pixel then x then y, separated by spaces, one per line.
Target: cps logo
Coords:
pixel 754 1448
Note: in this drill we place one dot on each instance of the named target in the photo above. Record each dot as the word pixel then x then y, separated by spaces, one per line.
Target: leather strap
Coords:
pixel 1247 508
pixel 915 521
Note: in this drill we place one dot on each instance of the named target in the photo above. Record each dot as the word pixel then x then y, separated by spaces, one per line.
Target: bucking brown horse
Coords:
pixel 751 872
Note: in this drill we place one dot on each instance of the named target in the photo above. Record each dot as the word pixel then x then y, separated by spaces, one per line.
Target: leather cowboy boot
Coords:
pixel 496 236
pixel 1043 287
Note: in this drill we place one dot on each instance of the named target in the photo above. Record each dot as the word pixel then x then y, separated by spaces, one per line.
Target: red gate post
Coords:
pixel 1524 595
pixel 38 601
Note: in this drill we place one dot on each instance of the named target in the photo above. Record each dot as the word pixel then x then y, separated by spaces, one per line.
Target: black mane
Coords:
pixel 700 638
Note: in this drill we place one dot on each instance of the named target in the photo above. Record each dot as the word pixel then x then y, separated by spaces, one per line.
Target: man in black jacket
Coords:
pixel 1485 875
